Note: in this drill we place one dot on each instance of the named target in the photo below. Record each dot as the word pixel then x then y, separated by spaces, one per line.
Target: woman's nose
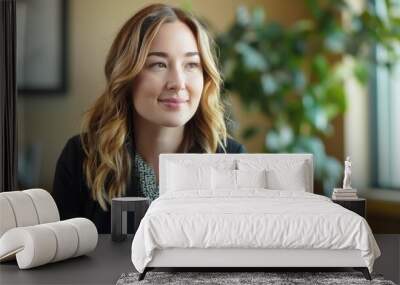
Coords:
pixel 176 80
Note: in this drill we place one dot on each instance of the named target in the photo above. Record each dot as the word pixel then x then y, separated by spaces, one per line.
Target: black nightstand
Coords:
pixel 357 206
pixel 119 208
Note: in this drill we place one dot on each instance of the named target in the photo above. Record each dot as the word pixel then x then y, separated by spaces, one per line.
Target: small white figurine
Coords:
pixel 347 174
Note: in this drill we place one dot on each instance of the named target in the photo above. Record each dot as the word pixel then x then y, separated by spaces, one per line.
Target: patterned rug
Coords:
pixel 270 278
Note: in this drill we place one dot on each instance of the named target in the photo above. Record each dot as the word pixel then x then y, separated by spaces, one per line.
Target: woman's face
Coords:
pixel 168 89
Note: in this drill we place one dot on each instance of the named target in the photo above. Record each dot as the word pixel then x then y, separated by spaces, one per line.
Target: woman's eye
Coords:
pixel 193 65
pixel 158 65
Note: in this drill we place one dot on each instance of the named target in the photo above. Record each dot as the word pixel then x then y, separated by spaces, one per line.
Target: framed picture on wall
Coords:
pixel 41 46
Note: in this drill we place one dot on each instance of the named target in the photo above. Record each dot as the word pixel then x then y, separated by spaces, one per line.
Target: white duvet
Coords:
pixel 252 218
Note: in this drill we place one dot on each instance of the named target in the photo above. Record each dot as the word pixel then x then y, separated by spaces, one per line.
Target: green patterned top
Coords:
pixel 145 178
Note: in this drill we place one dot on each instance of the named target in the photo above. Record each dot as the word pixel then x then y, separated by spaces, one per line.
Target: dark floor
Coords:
pixel 106 264
pixel 389 262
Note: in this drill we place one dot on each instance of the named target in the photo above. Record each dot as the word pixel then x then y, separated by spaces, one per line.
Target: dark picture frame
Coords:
pixel 41 46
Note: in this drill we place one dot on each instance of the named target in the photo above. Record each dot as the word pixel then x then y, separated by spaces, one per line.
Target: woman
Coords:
pixel 162 96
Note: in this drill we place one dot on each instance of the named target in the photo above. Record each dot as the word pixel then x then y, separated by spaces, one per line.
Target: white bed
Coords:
pixel 195 223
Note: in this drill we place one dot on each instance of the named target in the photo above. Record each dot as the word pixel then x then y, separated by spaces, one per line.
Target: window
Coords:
pixel 385 107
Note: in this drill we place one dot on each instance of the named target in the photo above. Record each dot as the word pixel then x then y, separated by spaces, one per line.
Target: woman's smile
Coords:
pixel 173 102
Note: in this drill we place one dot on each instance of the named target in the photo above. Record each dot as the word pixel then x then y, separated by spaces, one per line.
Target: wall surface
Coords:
pixel 92 25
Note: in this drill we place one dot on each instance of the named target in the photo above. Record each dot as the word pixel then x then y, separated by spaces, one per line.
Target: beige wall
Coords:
pixel 51 120
pixel 357 120
pixel 357 131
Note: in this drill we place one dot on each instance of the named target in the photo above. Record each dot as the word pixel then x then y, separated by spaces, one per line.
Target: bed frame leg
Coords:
pixel 364 271
pixel 143 274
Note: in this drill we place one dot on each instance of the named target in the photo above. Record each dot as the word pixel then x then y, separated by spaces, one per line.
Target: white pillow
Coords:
pixel 224 179
pixel 282 174
pixel 251 178
pixel 293 179
pixel 181 177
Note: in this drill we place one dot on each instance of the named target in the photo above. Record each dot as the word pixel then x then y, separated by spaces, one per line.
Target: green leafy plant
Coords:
pixel 295 76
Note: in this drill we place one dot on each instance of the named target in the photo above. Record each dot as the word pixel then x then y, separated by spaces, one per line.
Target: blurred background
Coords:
pixel 318 76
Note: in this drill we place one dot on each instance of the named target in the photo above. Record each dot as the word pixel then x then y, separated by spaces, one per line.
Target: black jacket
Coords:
pixel 72 195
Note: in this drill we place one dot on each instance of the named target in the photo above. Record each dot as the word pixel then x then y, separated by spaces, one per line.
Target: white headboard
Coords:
pixel 211 159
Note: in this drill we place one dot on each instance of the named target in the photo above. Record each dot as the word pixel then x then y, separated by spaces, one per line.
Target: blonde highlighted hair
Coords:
pixel 106 126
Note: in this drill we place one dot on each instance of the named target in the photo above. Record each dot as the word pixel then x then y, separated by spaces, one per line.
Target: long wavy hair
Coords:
pixel 106 126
